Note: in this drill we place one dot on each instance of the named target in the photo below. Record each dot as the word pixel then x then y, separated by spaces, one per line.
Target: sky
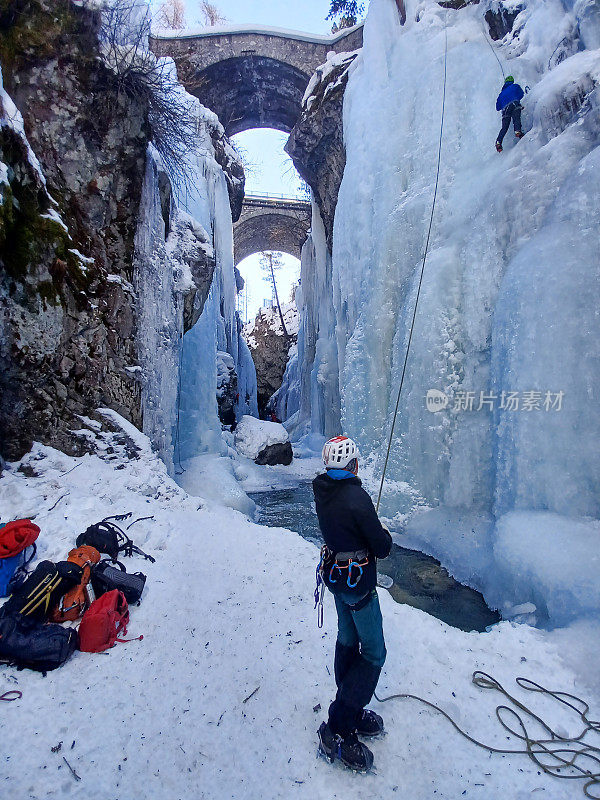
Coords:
pixel 268 169
pixel 308 15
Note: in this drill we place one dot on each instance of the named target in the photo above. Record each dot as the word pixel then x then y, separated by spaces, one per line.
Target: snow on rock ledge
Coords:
pixel 264 442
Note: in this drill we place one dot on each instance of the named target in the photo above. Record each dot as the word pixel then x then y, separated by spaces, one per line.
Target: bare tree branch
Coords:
pixel 171 15
pixel 150 80
pixel 211 14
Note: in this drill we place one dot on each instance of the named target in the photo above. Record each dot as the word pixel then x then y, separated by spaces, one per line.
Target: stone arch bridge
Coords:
pixel 271 222
pixel 251 77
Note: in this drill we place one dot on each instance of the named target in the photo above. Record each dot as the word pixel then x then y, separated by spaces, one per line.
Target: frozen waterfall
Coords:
pixel 508 326
pixel 309 398
pixel 179 371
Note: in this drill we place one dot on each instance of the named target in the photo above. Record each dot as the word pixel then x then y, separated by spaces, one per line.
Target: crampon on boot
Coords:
pixel 370 724
pixel 498 147
pixel 519 134
pixel 353 754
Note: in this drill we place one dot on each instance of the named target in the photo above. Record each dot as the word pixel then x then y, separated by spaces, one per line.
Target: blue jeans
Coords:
pixel 359 656
pixel 362 628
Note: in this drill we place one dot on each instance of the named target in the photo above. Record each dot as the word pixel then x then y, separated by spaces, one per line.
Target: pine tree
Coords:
pixel 270 262
pixel 347 9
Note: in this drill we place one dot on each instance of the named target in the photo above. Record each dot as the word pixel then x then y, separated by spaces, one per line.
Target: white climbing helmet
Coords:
pixel 339 452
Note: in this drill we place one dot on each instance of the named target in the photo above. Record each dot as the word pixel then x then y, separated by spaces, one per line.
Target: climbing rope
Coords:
pixel 559 756
pixel 491 46
pixel 564 39
pixel 412 325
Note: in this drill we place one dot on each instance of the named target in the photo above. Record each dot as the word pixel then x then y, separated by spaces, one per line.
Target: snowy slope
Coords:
pixel 172 716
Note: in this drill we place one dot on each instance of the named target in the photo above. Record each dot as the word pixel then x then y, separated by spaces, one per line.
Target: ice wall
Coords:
pixel 510 296
pixel 179 371
pixel 160 317
pixel 513 245
pixel 206 199
pixel 309 400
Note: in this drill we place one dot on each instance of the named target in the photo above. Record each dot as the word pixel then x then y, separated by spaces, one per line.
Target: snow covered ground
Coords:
pixel 228 610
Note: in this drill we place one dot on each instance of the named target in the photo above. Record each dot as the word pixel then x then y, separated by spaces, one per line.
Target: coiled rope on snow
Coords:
pixel 567 757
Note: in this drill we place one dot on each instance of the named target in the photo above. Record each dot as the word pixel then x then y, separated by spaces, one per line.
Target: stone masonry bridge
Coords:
pixel 251 77
pixel 271 222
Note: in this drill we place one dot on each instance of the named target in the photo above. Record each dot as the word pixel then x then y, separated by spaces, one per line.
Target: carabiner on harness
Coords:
pixel 349 581
pixel 335 565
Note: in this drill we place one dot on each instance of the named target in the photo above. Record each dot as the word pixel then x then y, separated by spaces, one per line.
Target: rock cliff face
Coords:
pixel 227 159
pixel 73 237
pixel 270 349
pixel 66 247
pixel 227 388
pixel 316 143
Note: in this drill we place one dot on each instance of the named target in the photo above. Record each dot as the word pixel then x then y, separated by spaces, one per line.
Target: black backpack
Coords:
pixel 106 577
pixel 108 538
pixel 25 642
pixel 41 591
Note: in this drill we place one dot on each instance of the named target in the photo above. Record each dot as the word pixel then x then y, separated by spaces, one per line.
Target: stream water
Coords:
pixel 418 579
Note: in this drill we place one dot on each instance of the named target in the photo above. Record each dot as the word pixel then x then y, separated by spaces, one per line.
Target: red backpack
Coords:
pixel 16 536
pixel 102 623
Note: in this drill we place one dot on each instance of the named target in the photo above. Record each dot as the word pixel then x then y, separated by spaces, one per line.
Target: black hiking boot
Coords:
pixel 353 754
pixel 370 725
pixel 498 147
pixel 519 134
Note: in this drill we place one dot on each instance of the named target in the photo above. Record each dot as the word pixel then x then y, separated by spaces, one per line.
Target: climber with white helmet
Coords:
pixel 354 538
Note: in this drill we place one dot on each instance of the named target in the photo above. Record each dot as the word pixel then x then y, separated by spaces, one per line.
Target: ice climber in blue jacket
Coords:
pixel 354 540
pixel 509 103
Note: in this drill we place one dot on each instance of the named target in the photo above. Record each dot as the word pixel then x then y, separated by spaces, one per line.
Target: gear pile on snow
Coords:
pixel 85 588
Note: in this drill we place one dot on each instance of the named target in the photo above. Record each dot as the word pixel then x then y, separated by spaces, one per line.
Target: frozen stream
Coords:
pixel 419 580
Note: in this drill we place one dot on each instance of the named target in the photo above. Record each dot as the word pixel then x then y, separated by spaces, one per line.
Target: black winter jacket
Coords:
pixel 349 522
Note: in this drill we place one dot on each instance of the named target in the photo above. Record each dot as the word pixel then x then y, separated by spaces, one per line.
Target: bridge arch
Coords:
pixel 270 223
pixel 253 92
pixel 251 77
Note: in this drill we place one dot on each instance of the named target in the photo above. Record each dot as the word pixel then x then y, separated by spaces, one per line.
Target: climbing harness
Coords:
pixel 414 316
pixel 341 562
pixel 559 755
pixel 358 560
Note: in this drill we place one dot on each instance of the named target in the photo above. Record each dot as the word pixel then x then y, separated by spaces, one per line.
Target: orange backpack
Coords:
pixel 77 600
